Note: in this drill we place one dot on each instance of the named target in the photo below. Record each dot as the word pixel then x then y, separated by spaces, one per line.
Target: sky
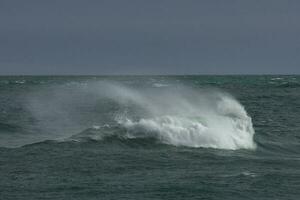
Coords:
pixel 109 37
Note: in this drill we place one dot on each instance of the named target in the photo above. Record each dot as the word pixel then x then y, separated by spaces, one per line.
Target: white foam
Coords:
pixel 276 78
pixel 160 85
pixel 216 121
pixel 20 81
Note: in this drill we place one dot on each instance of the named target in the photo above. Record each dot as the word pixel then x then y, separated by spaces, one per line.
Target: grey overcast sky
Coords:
pixel 149 37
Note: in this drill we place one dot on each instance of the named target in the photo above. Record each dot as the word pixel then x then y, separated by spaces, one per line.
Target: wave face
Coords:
pixel 183 116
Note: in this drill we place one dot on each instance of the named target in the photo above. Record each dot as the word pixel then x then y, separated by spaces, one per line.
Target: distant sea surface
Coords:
pixel 150 137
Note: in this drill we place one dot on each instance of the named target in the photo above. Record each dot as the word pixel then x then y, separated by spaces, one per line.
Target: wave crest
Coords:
pixel 227 127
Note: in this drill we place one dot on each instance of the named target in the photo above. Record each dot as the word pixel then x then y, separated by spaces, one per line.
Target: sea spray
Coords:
pixel 187 117
pixel 178 115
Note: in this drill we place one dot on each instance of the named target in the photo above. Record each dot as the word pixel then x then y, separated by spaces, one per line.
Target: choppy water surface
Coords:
pixel 150 137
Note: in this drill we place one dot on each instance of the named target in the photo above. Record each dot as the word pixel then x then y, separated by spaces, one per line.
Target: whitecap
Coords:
pixel 160 85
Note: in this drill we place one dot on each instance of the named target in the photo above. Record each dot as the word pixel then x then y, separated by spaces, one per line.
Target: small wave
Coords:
pixel 250 174
pixel 20 81
pixel 292 84
pixel 160 85
pixel 243 174
pixel 276 78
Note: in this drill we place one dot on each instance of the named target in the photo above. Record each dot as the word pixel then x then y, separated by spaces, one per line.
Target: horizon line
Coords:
pixel 209 74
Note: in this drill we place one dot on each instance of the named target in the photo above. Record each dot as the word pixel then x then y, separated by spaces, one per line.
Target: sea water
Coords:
pixel 150 137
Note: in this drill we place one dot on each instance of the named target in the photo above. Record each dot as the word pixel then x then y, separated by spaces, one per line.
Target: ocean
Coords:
pixel 150 137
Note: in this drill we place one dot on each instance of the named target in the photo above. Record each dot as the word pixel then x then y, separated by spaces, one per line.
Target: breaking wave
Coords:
pixel 181 117
pixel 177 115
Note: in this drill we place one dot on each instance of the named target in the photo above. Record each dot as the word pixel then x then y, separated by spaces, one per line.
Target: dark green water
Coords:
pixel 158 137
